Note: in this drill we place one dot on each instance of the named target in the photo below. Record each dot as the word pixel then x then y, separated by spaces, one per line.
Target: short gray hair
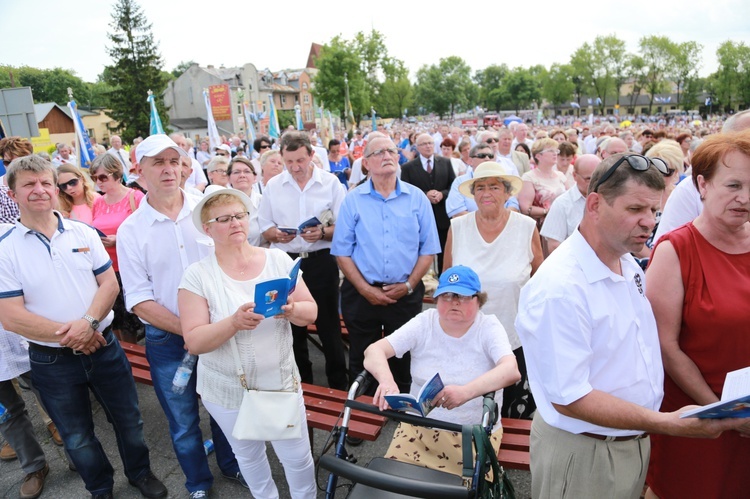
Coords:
pixel 33 164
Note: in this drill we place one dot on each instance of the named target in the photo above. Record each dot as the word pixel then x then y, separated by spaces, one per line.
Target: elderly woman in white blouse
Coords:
pixel 216 304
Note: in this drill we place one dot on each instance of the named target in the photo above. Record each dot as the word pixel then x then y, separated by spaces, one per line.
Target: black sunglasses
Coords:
pixel 70 183
pixel 484 155
pixel 638 163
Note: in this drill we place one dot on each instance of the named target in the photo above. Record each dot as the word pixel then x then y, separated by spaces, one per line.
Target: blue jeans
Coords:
pixel 164 352
pixel 64 382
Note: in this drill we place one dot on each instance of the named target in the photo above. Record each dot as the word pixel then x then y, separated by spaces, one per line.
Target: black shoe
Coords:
pixel 150 486
pixel 237 477
pixel 354 441
pixel 106 495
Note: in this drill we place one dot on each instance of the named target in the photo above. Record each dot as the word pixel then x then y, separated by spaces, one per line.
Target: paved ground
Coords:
pixel 64 484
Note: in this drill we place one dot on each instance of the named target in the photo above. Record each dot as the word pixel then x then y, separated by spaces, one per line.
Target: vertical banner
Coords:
pixel 221 104
pixel 249 122
pixel 155 127
pixel 85 150
pixel 213 133
pixel 273 124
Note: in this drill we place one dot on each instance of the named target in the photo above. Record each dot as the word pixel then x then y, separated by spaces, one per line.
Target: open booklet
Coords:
pixel 310 222
pixel 420 405
pixel 735 399
pixel 272 294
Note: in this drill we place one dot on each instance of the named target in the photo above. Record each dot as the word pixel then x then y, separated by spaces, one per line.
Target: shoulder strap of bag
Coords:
pixel 131 197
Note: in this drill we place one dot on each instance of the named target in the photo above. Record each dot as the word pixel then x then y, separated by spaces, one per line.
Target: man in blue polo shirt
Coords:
pixel 57 288
pixel 385 241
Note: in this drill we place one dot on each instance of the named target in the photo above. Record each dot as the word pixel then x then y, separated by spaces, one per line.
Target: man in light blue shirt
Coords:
pixel 385 241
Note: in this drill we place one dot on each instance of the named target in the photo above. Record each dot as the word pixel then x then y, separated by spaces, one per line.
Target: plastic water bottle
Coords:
pixel 4 414
pixel 208 446
pixel 182 376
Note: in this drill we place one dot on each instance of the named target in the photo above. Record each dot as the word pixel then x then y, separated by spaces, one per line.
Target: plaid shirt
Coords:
pixel 8 208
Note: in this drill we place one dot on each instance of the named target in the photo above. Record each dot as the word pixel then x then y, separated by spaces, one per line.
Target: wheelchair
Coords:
pixel 383 478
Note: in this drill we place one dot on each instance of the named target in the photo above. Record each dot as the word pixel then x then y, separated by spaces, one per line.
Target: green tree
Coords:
pixel 446 87
pixel 598 64
pixel 287 117
pixel 520 90
pixel 558 86
pixel 685 65
pixel 658 52
pixel 47 85
pixel 487 80
pixel 338 60
pixel 732 78
pixel 637 71
pixel 136 68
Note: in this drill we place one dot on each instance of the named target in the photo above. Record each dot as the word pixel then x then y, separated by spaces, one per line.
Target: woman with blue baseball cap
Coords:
pixel 470 351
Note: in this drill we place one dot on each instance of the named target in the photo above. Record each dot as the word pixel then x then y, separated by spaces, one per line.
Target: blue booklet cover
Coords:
pixel 420 405
pixel 272 294
pixel 735 399
pixel 310 222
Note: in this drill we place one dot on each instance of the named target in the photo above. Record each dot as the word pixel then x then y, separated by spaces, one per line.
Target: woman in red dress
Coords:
pixel 703 318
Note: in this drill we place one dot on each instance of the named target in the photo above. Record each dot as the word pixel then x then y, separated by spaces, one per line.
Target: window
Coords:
pixel 308 115
pixel 631 110
pixel 304 86
pixel 296 99
pixel 644 110
pixel 306 99
pixel 610 111
pixel 282 99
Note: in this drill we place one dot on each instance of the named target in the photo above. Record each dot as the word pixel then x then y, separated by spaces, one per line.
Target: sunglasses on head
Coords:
pixel 637 163
pixel 490 141
pixel 70 183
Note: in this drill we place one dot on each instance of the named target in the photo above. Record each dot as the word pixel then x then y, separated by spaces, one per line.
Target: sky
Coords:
pixel 73 34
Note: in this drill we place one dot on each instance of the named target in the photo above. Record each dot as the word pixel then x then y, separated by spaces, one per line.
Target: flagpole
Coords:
pixel 155 126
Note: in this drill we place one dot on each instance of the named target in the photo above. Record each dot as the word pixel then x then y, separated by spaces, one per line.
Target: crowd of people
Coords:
pixel 540 236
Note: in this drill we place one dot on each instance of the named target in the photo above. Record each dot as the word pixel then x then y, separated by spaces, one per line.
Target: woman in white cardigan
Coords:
pixel 216 304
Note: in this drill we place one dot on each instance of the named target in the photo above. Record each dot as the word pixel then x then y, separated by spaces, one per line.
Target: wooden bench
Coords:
pixel 514 449
pixel 312 329
pixel 323 405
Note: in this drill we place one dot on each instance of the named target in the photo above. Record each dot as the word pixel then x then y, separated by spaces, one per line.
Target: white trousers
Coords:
pixel 295 455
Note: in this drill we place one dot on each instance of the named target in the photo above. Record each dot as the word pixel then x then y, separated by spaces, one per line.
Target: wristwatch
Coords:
pixel 93 322
pixel 322 231
pixel 409 289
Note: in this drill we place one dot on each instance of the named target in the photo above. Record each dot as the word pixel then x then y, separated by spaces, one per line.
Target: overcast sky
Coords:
pixel 72 34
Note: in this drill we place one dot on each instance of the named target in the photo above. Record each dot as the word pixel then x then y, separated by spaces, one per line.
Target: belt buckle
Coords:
pixel 77 352
pixel 304 254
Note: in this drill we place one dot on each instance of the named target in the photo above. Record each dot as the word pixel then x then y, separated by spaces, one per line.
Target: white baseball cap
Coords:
pixel 154 144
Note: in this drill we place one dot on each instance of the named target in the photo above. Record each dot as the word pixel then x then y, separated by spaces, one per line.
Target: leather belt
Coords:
pixel 609 438
pixel 310 254
pixel 65 350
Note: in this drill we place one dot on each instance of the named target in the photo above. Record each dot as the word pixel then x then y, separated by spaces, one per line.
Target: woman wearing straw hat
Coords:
pixel 505 249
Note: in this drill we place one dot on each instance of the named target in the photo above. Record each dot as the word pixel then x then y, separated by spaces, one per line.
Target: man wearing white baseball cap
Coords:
pixel 155 246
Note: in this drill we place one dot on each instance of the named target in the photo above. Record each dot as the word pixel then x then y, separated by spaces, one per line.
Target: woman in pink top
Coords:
pixel 76 193
pixel 109 211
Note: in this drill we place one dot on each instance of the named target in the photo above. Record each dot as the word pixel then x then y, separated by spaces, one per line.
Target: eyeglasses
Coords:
pixel 381 152
pixel 225 219
pixel 220 172
pixel 637 163
pixel 237 173
pixel 453 296
pixel 102 177
pixel 491 140
pixel 222 153
pixel 426 144
pixel 556 151
pixel 70 183
pixel 265 146
pixel 484 155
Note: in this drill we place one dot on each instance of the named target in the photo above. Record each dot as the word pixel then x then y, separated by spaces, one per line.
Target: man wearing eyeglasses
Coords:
pixel 118 152
pixel 458 204
pixel 504 151
pixel 294 196
pixel 385 241
pixel 154 247
pixel 434 175
pixel 592 347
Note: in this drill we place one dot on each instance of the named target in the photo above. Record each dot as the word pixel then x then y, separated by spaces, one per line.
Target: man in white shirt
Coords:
pixel 64 156
pixel 566 211
pixel 521 134
pixel 118 152
pixel 490 138
pixel 592 348
pixel 154 247
pixel 290 198
pixel 504 150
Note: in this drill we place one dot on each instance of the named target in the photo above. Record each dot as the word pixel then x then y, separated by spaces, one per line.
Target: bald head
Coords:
pixel 738 122
pixel 582 171
pixel 613 145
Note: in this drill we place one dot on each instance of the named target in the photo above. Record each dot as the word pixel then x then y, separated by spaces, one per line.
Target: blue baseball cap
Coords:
pixel 460 280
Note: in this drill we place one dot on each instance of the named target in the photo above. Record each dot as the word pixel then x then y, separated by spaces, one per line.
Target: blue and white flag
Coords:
pixel 85 149
pixel 590 101
pixel 214 140
pixel 249 123
pixel 598 101
pixel 298 117
pixel 374 119
pixel 708 101
pixel 575 105
pixel 668 99
pixel 155 127
pixel 273 120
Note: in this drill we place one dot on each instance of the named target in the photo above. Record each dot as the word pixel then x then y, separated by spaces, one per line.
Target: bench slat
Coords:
pixel 514 459
pixel 357 429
